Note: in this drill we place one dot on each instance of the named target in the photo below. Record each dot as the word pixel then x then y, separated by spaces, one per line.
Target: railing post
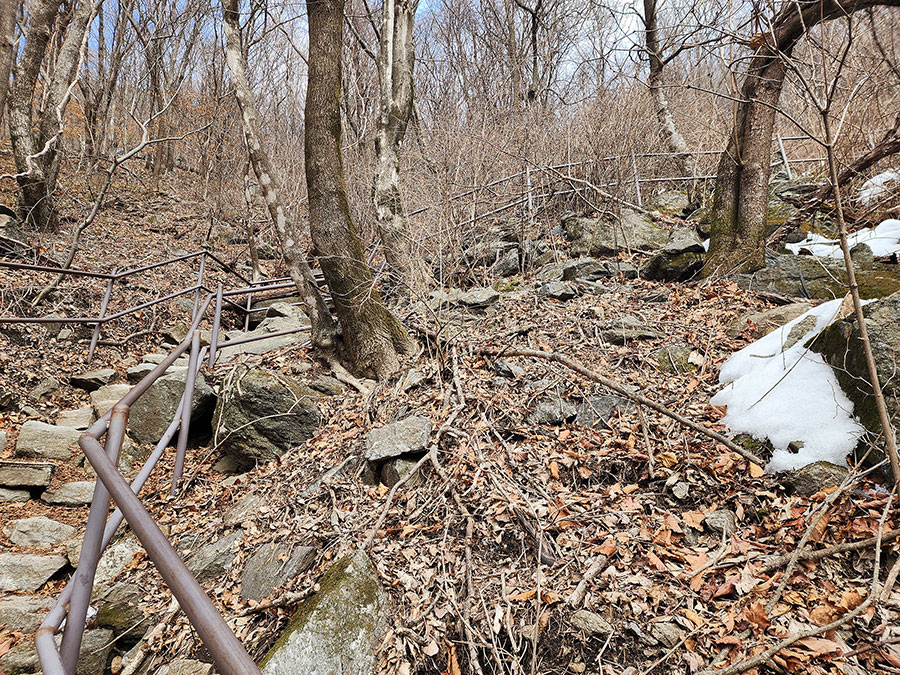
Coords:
pixel 784 159
pixel 190 380
pixel 199 285
pixel 96 336
pixel 217 320
pixel 637 180
pixel 83 579
pixel 247 312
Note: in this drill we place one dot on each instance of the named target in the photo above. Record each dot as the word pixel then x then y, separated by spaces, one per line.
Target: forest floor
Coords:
pixel 482 559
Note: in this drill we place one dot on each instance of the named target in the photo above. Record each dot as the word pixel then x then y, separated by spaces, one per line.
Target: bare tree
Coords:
pixel 323 329
pixel 738 214
pixel 8 11
pixel 373 338
pixel 396 56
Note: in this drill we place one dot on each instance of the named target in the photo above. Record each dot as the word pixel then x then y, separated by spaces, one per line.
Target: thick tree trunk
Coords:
pixel 8 9
pixel 372 336
pixel 671 135
pixel 408 271
pixel 323 328
pixel 738 213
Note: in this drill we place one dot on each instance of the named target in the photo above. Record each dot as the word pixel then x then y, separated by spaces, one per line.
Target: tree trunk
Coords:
pixel 372 336
pixel 8 9
pixel 738 213
pixel 408 272
pixel 323 328
pixel 671 135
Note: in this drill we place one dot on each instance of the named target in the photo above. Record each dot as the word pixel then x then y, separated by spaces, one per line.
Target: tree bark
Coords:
pixel 671 135
pixel 323 328
pixel 373 338
pixel 738 213
pixel 409 273
pixel 8 10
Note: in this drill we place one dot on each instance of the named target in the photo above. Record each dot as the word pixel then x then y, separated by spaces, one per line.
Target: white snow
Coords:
pixel 877 186
pixel 789 395
pixel 883 239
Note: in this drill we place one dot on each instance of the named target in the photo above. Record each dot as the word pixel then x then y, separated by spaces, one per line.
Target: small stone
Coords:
pixel 186 667
pixel 65 334
pixel 76 493
pixel 272 566
pixel 413 378
pixel 398 469
pixel 557 290
pixel 327 385
pixel 119 610
pixel 598 409
pixel 399 438
pixel 721 522
pixel 553 411
pixel 39 532
pixel 25 474
pixel 809 479
pixel 681 490
pixel 591 623
pixel 627 329
pixel 27 571
pixel 677 358
pixel 37 439
pixel 508 369
pixel 667 633
pixel 9 496
pixel 46 386
pixel 80 418
pixel 92 379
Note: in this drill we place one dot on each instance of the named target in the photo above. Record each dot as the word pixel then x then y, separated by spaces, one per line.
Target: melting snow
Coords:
pixel 789 394
pixel 884 240
pixel 877 186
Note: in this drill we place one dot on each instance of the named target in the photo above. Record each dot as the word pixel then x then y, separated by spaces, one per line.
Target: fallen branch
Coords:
pixel 286 600
pixel 887 537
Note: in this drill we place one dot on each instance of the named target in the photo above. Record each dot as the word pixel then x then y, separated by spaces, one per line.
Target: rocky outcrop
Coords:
pixel 215 559
pixel 802 276
pixel 679 260
pixel 104 398
pixel 267 341
pixel 590 269
pixel 261 415
pixel 152 413
pixel 272 566
pixel 631 231
pixel 338 630
pixel 46 441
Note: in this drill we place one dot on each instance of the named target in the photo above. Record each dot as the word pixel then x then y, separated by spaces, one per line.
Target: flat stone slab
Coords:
pixel 215 559
pixel 39 531
pixel 273 565
pixel 46 441
pixel 27 571
pixel 23 613
pixel 25 474
pixel 77 493
pixel 80 418
pixel 8 496
pixel 93 379
pixel 399 438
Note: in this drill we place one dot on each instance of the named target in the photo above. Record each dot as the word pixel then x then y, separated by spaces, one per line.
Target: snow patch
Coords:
pixel 883 239
pixel 789 394
pixel 877 186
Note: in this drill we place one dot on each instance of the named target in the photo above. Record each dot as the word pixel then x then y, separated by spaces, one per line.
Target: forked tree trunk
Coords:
pixel 323 328
pixel 409 273
pixel 671 135
pixel 738 214
pixel 373 338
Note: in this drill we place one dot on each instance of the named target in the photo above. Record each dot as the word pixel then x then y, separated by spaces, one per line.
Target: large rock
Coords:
pixel 13 242
pixel 92 660
pixel 763 323
pixel 23 613
pixel 93 379
pixel 25 474
pixel 39 532
pixel 152 413
pixel 407 436
pixel 80 418
pixel 597 410
pixel 264 343
pixel 46 441
pixel 119 610
pixel 821 278
pixel 557 290
pixel 680 259
pixel 26 571
pixel 808 480
pixel 338 630
pixel 840 346
pixel 8 496
pixel 552 410
pixel 631 231
pixel 261 415
pixel 76 493
pixel 476 298
pixel 272 566
pixel 104 398
pixel 215 559
pixel 186 667
pixel 670 203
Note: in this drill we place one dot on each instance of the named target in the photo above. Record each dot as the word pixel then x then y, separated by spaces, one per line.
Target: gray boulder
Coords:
pixel 25 474
pixel 557 290
pixel 139 371
pixel 476 298
pixel 27 571
pixel 118 609
pixel 264 343
pixel 628 329
pixel 76 493
pixel 597 410
pixel 631 231
pixel 39 532
pixel 395 470
pixel 808 480
pixel 407 436
pixel 80 418
pixel 46 441
pixel 23 613
pixel 93 379
pixel 44 388
pixel 338 630
pixel 272 566
pixel 261 415
pixel 104 398
pixel 92 660
pixel 152 413
pixel 215 559
pixel 186 667
pixel 820 278
pixel 9 496
pixel 590 269
pixel 13 242
pixel 763 323
pixel 508 265
pixel 670 203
